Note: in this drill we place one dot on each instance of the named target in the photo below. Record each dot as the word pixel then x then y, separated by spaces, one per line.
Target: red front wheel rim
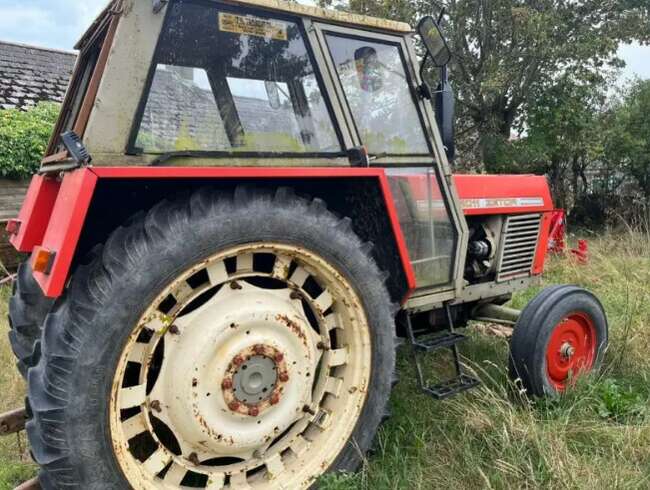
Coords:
pixel 571 349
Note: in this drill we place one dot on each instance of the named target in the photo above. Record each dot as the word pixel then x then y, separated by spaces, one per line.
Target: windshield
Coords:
pixel 234 83
pixel 377 90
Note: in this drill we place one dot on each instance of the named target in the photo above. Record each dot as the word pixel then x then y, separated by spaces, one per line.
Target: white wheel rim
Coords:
pixel 261 381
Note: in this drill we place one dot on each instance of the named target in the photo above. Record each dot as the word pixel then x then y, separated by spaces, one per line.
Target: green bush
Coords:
pixel 24 136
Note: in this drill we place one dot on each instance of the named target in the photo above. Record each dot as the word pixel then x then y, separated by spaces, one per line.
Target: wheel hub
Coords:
pixel 255 380
pixel 567 351
pixel 238 372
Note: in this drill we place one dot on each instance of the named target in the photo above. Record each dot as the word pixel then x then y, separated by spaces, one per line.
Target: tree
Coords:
pixel 508 51
pixel 628 143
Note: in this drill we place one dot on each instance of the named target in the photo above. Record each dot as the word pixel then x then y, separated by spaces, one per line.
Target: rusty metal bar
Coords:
pixel 489 312
pixel 12 422
pixel 32 484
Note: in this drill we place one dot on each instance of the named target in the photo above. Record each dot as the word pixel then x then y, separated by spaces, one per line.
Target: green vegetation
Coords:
pixel 24 136
pixel 15 462
pixel 598 436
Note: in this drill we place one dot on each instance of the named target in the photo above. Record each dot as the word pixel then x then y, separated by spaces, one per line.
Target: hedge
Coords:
pixel 24 136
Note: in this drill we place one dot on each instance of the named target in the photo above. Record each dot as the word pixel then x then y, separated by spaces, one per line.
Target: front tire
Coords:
pixel 272 315
pixel 561 334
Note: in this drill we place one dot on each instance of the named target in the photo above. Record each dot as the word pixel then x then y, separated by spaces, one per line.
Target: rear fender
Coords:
pixel 82 210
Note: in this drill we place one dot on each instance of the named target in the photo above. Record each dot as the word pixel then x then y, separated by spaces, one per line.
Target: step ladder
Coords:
pixel 432 343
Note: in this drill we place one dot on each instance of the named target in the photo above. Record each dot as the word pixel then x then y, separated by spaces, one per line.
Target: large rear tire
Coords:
pixel 561 334
pixel 216 342
pixel 28 308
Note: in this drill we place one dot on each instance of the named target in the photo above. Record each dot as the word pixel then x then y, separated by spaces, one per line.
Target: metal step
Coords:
pixel 439 342
pixel 452 387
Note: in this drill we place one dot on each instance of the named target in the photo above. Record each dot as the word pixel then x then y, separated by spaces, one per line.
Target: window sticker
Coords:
pixel 253 26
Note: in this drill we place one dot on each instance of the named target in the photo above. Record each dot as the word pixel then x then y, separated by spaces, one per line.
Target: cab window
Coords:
pixel 234 82
pixel 376 87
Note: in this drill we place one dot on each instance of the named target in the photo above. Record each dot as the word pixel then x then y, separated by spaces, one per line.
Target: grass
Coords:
pixel 598 436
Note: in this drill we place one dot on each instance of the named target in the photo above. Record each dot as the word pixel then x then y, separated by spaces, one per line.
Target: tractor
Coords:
pixel 246 206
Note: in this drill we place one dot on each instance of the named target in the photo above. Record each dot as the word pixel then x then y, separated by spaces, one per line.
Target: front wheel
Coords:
pixel 241 342
pixel 561 334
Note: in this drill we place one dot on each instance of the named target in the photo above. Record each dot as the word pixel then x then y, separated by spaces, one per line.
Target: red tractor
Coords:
pixel 244 204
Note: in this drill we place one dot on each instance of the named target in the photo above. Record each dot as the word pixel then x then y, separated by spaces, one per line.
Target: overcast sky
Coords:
pixel 59 23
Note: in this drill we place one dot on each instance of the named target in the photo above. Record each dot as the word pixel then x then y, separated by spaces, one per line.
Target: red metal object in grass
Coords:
pixel 571 349
pixel 556 242
pixel 581 253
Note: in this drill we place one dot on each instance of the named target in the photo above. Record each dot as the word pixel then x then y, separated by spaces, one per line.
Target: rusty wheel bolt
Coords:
pixel 238 361
pixel 278 358
pixel 226 384
pixel 174 330
pixel 275 399
pixel 253 411
pixel 258 349
pixel 234 406
pixel 155 406
pixel 284 377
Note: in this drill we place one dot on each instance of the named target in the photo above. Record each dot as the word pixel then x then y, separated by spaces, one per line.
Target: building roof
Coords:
pixel 30 74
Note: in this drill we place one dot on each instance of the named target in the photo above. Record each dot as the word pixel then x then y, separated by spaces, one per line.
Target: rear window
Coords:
pixel 83 74
pixel 233 82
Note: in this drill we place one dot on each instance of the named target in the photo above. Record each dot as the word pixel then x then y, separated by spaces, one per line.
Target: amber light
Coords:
pixel 42 260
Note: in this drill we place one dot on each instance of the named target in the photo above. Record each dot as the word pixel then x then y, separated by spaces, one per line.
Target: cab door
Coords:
pixel 374 79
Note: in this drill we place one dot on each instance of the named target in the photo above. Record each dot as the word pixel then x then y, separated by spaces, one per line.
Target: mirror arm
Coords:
pixel 424 90
pixel 423 65
pixel 442 15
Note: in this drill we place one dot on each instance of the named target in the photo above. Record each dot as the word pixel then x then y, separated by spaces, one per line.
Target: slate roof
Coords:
pixel 30 74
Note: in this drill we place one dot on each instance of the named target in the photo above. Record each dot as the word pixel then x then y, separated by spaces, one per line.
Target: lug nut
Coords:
pixel 155 406
pixel 284 377
pixel 194 459
pixel 278 357
pixel 259 349
pixel 226 384
pixel 238 361
pixel 234 406
pixel 253 411
pixel 275 399
pixel 235 285
pixel 295 295
pixel 174 330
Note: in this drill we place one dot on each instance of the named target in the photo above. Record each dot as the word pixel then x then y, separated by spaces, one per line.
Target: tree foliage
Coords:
pixel 507 52
pixel 24 136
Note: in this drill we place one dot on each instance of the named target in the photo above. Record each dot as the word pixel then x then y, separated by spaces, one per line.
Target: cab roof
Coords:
pixel 298 9
pixel 328 15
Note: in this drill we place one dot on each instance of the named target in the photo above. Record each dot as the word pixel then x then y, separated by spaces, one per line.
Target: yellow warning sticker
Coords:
pixel 253 26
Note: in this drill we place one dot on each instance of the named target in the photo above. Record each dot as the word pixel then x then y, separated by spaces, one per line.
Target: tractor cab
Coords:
pixel 259 84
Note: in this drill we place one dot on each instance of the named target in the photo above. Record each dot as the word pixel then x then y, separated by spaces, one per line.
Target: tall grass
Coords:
pixel 596 437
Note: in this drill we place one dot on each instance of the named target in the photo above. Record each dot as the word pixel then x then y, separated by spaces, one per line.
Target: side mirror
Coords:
pixel 445 116
pixel 369 70
pixel 273 94
pixel 434 41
